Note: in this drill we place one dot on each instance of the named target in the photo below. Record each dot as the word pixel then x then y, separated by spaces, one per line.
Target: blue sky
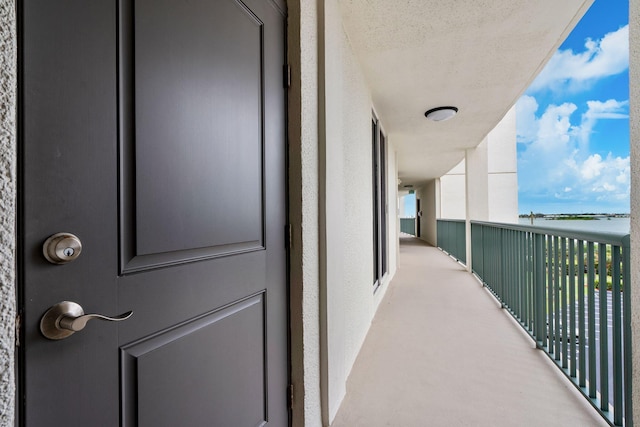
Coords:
pixel 573 123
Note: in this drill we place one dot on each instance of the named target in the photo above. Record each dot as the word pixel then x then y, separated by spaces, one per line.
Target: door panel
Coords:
pixel 154 130
pixel 198 118
pixel 189 369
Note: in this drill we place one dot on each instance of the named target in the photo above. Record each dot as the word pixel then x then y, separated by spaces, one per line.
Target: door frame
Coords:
pixel 418 217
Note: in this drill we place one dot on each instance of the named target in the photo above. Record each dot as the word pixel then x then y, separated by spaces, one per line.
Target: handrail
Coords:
pixel 610 238
pixel 552 281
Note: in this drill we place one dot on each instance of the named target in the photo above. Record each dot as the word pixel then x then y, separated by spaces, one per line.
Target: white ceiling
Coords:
pixel 477 55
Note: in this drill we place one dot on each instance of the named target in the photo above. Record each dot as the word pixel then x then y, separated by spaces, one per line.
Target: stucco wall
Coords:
pixel 303 211
pixel 452 193
pixel 503 197
pixel 7 209
pixel 346 218
pixel 497 160
pixel 634 121
pixel 502 167
pixel 477 182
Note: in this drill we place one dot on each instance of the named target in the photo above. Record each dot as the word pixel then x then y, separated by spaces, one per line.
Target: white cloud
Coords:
pixel 554 127
pixel 526 108
pixel 591 167
pixel 598 110
pixel 610 109
pixel 573 71
pixel 555 159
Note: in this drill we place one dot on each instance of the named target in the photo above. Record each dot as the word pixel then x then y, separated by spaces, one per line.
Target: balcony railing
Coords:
pixel 452 239
pixel 569 291
pixel 408 225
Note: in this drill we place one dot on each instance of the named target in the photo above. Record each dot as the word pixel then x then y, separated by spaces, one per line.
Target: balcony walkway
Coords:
pixel 441 352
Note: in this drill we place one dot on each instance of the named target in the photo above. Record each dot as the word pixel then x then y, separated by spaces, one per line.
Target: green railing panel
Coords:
pixel 408 225
pixel 570 291
pixel 451 238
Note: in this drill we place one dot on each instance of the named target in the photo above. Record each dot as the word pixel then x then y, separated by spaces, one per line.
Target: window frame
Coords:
pixel 380 203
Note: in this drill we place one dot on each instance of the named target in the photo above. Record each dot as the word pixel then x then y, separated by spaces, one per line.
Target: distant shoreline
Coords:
pixel 575 217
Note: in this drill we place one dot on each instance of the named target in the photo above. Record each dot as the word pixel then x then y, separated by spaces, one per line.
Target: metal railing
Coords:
pixel 452 238
pixel 408 225
pixel 569 291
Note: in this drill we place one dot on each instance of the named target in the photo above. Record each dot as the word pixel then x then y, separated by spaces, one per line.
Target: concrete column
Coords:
pixel 402 210
pixel 502 168
pixel 429 204
pixel 438 199
pixel 476 190
pixel 453 193
pixel 634 122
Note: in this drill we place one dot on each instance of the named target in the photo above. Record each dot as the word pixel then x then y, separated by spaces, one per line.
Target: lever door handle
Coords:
pixel 67 317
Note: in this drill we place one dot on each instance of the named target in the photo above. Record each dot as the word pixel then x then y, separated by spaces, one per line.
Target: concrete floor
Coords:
pixel 441 352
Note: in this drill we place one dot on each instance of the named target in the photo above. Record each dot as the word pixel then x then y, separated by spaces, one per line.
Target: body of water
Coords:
pixel 613 225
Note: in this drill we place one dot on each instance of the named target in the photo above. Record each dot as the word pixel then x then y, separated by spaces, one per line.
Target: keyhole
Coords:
pixel 68 252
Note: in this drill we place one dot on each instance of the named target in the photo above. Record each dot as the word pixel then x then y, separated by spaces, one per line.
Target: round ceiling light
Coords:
pixel 440 114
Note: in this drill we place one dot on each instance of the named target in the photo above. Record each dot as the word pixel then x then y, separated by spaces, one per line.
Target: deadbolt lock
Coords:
pixel 62 248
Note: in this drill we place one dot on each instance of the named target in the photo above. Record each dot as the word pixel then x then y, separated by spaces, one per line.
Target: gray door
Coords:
pixel 154 131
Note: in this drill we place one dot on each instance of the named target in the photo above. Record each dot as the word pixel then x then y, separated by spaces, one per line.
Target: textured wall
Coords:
pixel 500 162
pixel 346 209
pixel 634 95
pixel 7 209
pixel 477 182
pixel 503 166
pixel 452 194
pixel 303 210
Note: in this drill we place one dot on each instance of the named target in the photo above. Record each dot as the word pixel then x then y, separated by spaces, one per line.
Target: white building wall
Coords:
pixel 502 168
pixel 452 193
pixel 348 302
pixel 400 203
pixel 477 182
pixel 500 189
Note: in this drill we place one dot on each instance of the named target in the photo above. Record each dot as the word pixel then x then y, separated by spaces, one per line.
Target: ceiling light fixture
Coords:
pixel 440 114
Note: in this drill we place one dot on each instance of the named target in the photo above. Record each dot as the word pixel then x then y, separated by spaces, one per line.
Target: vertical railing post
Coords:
pixel 572 307
pixel 591 307
pixel 539 289
pixel 555 298
pixel 604 327
pixel 549 289
pixel 563 302
pixel 616 314
pixel 582 364
pixel 531 272
pixel 628 347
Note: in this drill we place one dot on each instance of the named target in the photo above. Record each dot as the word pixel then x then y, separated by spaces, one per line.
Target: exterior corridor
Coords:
pixel 441 352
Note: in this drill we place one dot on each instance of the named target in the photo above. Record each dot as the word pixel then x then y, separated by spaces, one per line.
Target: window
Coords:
pixel 379 175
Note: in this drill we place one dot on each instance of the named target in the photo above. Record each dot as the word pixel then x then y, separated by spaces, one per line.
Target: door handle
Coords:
pixel 66 318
